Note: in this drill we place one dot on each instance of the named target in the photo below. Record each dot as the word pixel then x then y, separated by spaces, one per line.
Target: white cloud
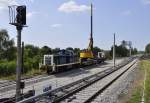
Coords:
pixel 31 14
pixel 1 8
pixel 126 13
pixel 5 3
pixel 72 6
pixel 31 1
pixel 56 25
pixel 146 2
pixel 27 2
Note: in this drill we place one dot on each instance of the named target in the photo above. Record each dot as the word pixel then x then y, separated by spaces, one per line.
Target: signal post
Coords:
pixel 17 17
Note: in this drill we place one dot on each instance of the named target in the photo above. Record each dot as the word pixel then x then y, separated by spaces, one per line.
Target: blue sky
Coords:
pixel 66 23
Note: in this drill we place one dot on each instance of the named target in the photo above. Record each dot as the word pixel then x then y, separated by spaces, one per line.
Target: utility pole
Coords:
pixel 114 56
pixel 130 47
pixel 130 52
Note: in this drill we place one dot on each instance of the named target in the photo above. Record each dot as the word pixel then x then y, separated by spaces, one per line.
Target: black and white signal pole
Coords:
pixel 114 52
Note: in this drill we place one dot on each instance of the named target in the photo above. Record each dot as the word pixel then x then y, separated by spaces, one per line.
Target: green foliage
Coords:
pixel 54 51
pixel 134 51
pixel 31 63
pixel 4 37
pixel 31 51
pixel 107 55
pixel 121 51
pixel 145 64
pixel 96 50
pixel 7 49
pixel 69 48
pixel 10 54
pixel 7 68
pixel 136 96
pixel 76 50
pixel 45 50
pixel 147 48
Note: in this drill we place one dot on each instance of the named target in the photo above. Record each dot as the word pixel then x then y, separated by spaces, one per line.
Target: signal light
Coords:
pixel 21 15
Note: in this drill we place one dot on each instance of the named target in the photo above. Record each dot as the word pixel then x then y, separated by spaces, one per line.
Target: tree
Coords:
pixel 31 51
pixel 123 43
pixel 56 50
pixel 4 37
pixel 10 53
pixel 45 50
pixel 121 51
pixel 96 50
pixel 7 49
pixel 69 48
pixel 134 51
pixel 147 48
pixel 76 50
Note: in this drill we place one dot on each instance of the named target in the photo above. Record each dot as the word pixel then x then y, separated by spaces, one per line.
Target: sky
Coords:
pixel 66 23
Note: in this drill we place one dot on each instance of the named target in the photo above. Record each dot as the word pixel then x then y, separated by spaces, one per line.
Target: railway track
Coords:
pixel 9 82
pixel 84 90
pixel 28 80
pixel 88 94
pixel 6 83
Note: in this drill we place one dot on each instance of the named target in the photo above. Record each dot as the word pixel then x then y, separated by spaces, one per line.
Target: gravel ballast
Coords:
pixel 121 86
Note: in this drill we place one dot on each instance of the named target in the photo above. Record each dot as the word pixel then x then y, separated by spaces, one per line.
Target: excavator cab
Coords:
pixel 89 52
pixel 86 54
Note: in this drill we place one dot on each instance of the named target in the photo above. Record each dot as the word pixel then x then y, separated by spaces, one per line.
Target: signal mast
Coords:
pixel 17 17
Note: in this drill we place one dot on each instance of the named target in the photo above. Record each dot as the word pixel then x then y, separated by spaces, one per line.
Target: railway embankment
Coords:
pixel 119 90
pixel 132 88
pixel 138 88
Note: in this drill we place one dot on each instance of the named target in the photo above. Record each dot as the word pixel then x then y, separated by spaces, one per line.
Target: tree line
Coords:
pixel 33 55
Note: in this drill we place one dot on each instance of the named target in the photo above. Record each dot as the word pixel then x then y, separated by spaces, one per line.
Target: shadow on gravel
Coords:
pixel 79 71
pixel 72 73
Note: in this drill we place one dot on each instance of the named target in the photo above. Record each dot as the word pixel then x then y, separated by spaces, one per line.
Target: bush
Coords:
pixel 7 68
pixel 31 63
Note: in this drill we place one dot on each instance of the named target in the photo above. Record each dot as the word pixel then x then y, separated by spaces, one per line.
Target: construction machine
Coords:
pixel 87 56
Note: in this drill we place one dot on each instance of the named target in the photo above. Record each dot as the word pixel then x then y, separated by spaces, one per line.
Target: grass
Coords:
pixel 33 72
pixel 137 91
pixel 136 96
pixel 145 64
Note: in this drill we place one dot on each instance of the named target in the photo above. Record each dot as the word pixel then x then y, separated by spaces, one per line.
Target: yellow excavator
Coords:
pixel 87 55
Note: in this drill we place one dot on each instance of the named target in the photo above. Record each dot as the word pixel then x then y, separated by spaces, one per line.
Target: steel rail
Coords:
pixel 87 83
pixel 89 100
pixel 64 89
